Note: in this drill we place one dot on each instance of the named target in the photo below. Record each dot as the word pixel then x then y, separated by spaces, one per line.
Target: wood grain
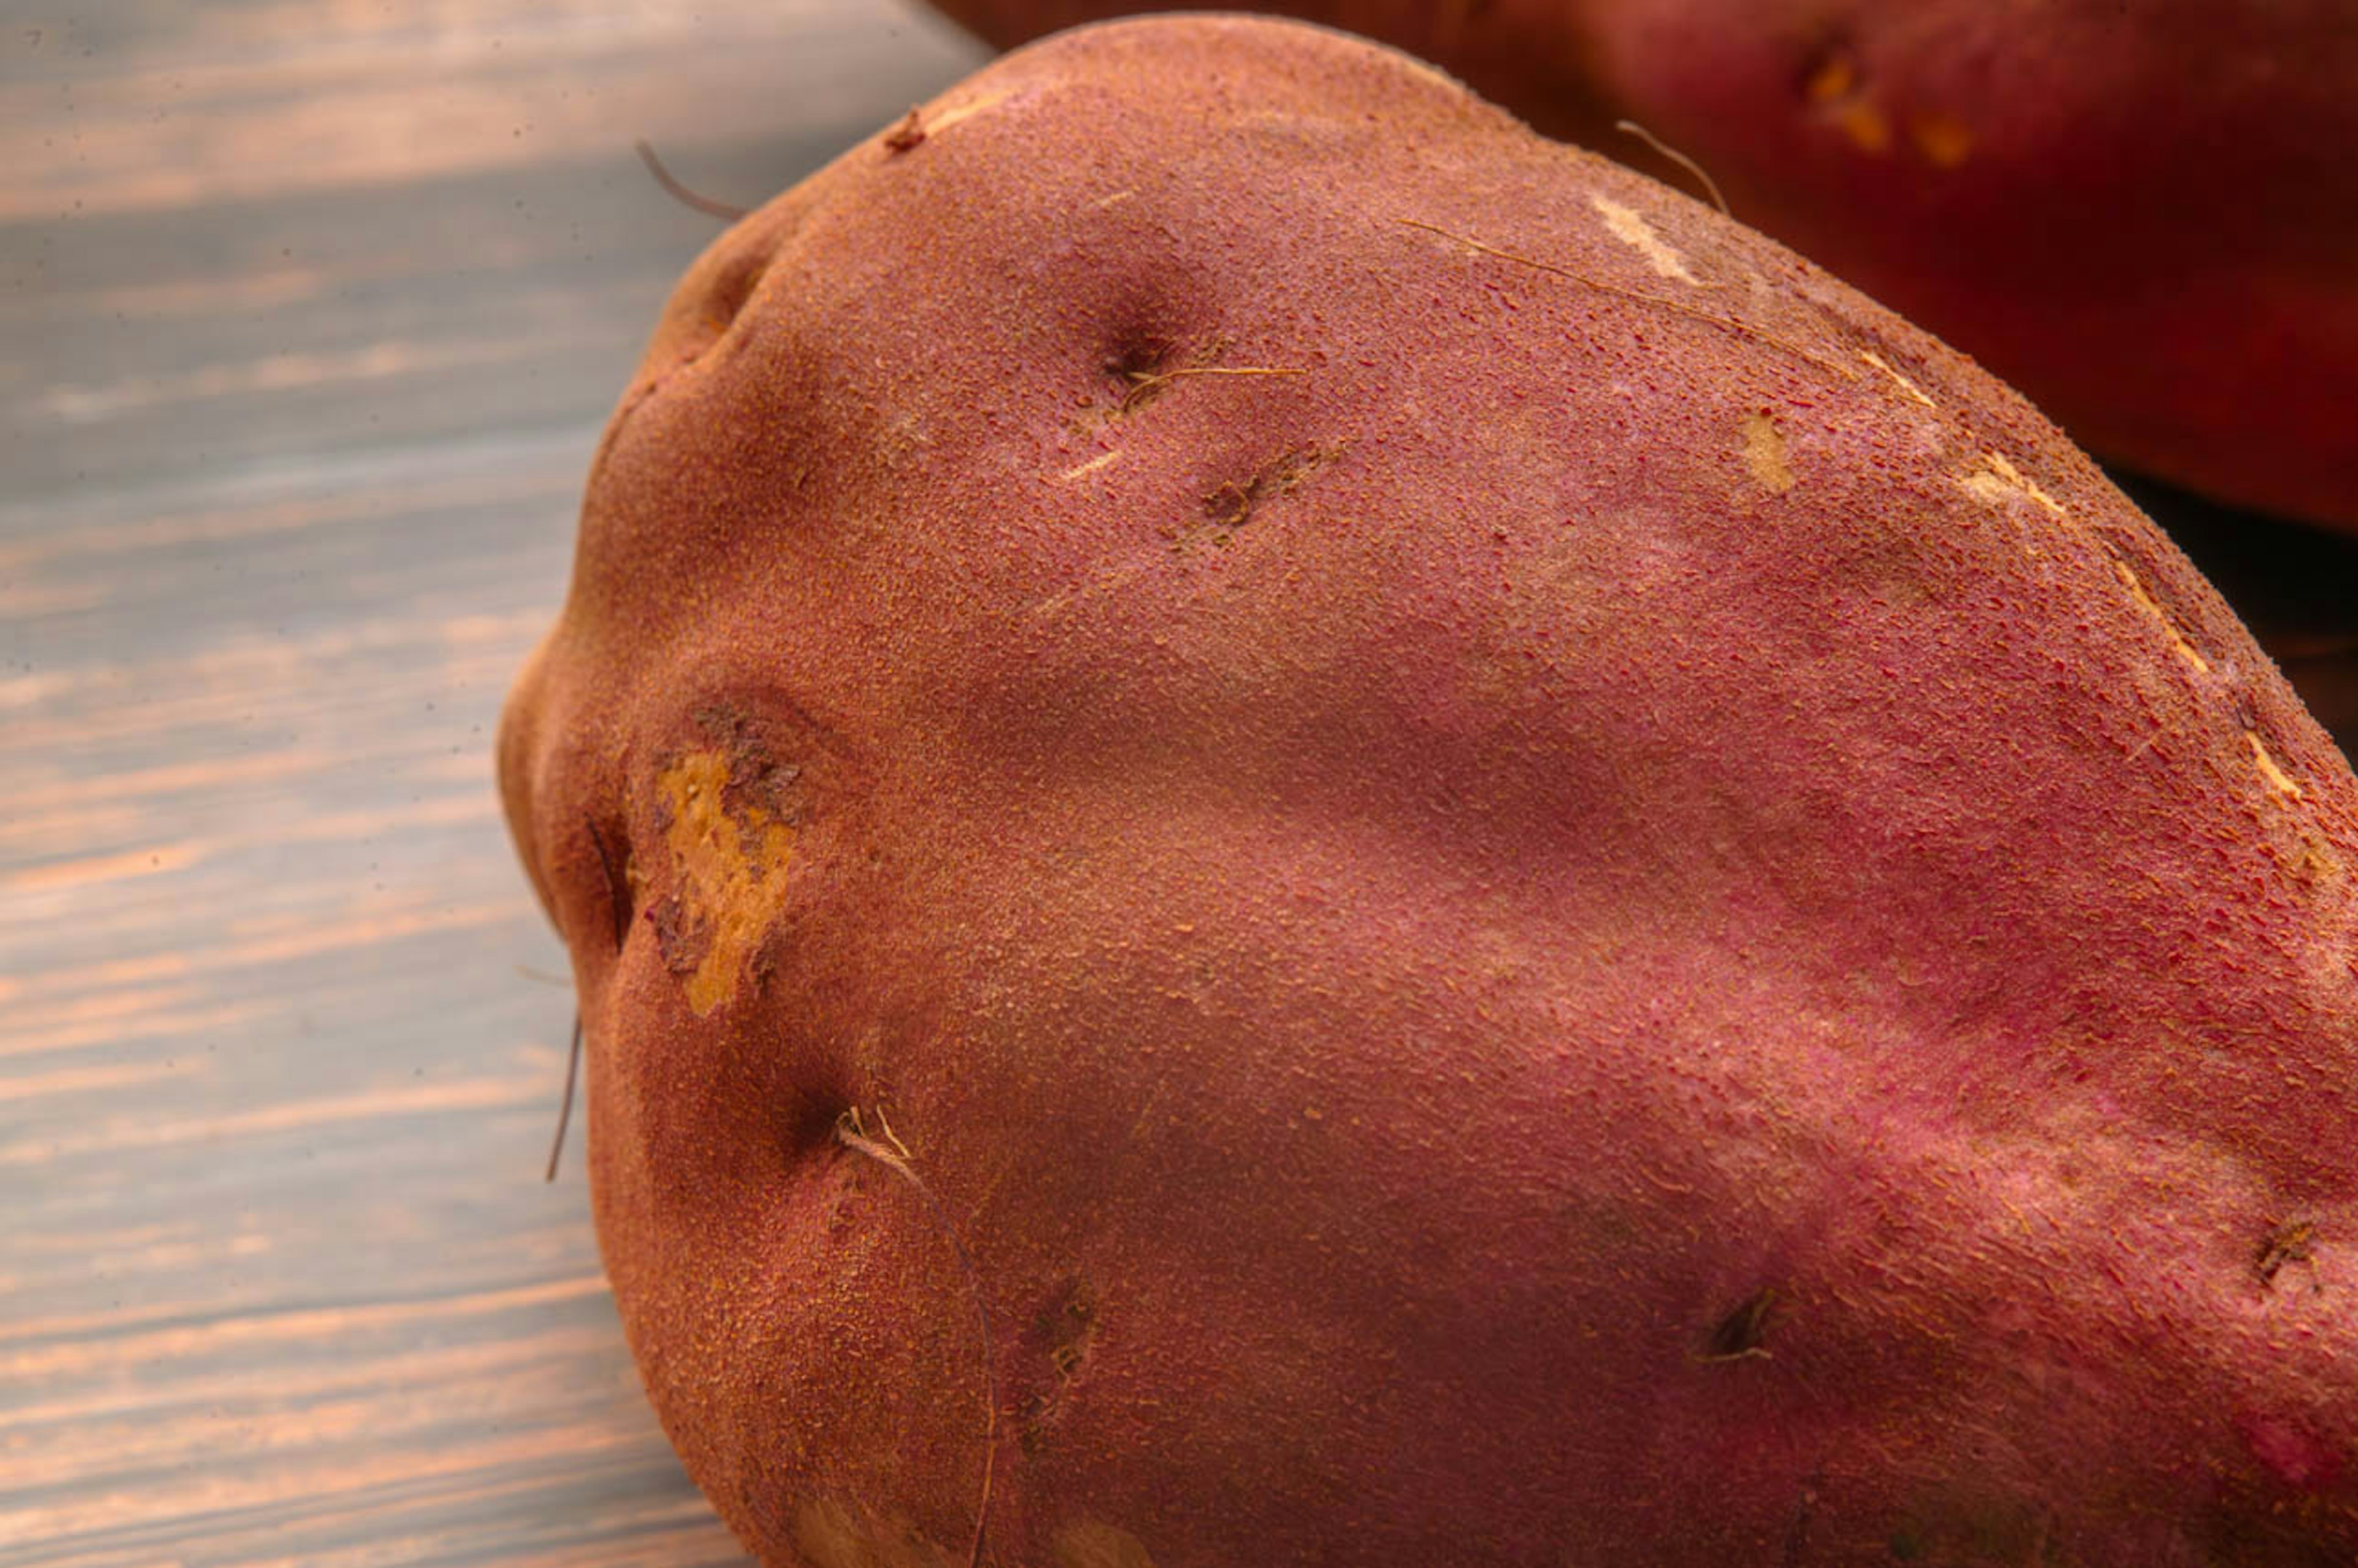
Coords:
pixel 310 314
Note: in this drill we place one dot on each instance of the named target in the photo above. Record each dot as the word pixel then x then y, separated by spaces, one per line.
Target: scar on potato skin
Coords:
pixel 729 860
pixel 2283 783
pixel 2152 606
pixel 1907 387
pixel 2288 1241
pixel 1764 453
pixel 1232 505
pixel 1103 459
pixel 1997 478
pixel 2263 760
pixel 1629 227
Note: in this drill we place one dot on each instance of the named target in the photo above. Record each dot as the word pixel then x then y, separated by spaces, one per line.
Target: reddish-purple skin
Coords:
pixel 1492 964
pixel 2144 213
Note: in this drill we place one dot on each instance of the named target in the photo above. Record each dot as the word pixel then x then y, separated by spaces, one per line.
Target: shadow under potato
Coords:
pixel 2295 587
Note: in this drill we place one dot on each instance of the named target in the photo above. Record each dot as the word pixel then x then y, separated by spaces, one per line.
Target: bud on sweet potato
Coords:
pixel 2144 214
pixel 1297 831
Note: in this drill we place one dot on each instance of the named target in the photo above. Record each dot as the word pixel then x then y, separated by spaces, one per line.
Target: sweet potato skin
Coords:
pixel 1534 887
pixel 2143 215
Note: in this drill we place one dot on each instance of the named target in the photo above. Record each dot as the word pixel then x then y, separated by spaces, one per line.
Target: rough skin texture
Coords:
pixel 2143 214
pixel 1506 879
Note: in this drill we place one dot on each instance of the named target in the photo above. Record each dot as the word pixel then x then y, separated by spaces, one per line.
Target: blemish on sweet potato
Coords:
pixel 1232 505
pixel 1629 227
pixel 949 117
pixel 1997 480
pixel 1061 1335
pixel 2169 624
pixel 1764 454
pixel 2288 1241
pixel 1742 1334
pixel 1103 459
pixel 1797 1535
pixel 2284 783
pixel 1907 387
pixel 729 861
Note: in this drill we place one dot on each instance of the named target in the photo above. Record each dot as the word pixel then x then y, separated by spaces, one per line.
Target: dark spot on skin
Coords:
pixel 1060 1335
pixel 620 896
pixel 1742 1333
pixel 2288 1241
pixel 1133 366
pixel 1232 505
pixel 1797 1535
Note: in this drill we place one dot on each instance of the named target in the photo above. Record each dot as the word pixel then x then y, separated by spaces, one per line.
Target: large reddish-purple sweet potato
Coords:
pixel 1297 831
pixel 2142 212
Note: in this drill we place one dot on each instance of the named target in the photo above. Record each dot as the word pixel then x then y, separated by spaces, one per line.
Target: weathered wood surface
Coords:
pixel 309 316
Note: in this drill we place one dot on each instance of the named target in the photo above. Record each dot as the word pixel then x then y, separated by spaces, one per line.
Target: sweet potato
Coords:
pixel 2143 214
pixel 1298 830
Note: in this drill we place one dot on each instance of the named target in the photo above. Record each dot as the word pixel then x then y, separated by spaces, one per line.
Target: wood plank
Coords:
pixel 310 315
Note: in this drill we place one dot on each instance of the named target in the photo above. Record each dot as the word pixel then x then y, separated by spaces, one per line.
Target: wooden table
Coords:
pixel 309 318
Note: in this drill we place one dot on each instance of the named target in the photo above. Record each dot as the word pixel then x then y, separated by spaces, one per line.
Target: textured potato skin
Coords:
pixel 1534 888
pixel 2145 215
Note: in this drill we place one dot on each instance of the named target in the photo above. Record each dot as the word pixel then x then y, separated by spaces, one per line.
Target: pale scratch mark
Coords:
pixel 948 117
pixel 1998 479
pixel 1101 461
pixel 2152 606
pixel 2281 782
pixel 1115 199
pixel 1629 227
pixel 1907 387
